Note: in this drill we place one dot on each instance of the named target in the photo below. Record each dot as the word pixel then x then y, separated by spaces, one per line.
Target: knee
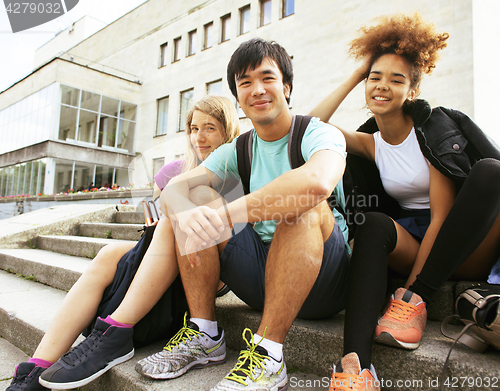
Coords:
pixel 105 261
pixel 377 226
pixel 202 195
pixel 485 174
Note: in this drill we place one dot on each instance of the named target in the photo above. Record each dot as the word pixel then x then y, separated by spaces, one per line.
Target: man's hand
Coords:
pixel 202 225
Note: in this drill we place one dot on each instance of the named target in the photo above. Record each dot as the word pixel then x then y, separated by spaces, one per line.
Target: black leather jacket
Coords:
pixel 448 138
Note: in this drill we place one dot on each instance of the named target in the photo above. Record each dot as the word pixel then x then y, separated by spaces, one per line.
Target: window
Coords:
pixel 98 120
pixel 265 12
pixel 157 165
pixel 192 43
pixel 214 87
pixel 161 126
pixel 186 104
pixel 245 19
pixel 225 27
pixel 288 8
pixel 163 54
pixel 209 35
pixel 177 49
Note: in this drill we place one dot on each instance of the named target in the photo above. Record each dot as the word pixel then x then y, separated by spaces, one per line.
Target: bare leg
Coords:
pixel 291 271
pixel 156 273
pixel 80 304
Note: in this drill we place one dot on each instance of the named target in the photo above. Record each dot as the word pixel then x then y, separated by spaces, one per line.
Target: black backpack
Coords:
pixel 244 145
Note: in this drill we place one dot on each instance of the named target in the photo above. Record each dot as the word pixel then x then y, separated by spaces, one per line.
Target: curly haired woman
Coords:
pixel 439 193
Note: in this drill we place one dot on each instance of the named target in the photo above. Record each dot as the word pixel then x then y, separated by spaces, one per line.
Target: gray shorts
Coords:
pixel 243 264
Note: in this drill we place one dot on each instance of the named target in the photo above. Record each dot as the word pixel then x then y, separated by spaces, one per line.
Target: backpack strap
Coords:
pixel 244 145
pixel 297 130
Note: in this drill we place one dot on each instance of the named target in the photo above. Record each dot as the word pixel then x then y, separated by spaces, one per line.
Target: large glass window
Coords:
pixel 67 123
pixel 186 104
pixel 265 12
pixel 103 176
pixel 87 126
pixel 90 101
pixel 245 19
pixel 225 29
pixel 162 121
pixel 34 177
pixel 192 43
pixel 83 176
pixel 27 178
pixel 208 40
pixel 126 134
pixel 288 7
pixel 70 96
pixel 62 176
pixel 107 132
pixel 102 121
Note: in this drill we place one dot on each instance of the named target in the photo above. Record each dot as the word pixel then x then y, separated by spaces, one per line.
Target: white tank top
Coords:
pixel 404 171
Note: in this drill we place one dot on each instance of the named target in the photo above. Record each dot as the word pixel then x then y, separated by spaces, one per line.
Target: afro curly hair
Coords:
pixel 406 35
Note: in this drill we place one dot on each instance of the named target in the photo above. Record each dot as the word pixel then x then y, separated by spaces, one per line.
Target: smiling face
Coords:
pixel 262 94
pixel 206 134
pixel 388 85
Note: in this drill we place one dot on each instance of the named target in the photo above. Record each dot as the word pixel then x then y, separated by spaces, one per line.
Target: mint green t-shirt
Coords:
pixel 270 160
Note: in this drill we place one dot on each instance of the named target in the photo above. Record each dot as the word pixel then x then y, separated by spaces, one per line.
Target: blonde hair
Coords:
pixel 224 111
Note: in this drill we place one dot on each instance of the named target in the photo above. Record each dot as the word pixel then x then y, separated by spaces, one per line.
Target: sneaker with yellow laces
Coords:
pixel 186 350
pixel 404 321
pixel 255 370
pixel 349 376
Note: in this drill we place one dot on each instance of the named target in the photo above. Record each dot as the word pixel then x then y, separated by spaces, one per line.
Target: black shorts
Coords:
pixel 243 264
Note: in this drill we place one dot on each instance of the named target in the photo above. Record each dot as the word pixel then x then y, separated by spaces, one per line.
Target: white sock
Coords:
pixel 207 326
pixel 274 349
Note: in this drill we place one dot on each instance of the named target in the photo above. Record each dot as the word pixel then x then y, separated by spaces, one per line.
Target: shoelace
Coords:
pixel 345 382
pixel 182 335
pixel 82 348
pixel 248 361
pixel 400 310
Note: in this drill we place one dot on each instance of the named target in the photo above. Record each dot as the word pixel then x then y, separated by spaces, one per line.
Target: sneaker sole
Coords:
pixel 387 339
pixel 194 365
pixel 81 383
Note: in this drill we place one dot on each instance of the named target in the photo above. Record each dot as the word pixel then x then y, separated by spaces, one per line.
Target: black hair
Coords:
pixel 250 55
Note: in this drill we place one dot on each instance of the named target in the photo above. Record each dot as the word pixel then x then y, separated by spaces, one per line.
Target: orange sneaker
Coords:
pixel 404 321
pixel 351 377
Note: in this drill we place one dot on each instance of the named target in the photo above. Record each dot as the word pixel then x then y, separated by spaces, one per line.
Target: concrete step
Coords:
pixel 54 269
pixel 130 217
pixel 73 245
pixel 111 230
pixel 27 308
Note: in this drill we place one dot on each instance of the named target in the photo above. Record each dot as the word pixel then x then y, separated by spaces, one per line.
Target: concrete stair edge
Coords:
pixel 74 245
pixel 111 230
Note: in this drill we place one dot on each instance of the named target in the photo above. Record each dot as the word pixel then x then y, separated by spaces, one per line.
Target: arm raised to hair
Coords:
pixel 357 143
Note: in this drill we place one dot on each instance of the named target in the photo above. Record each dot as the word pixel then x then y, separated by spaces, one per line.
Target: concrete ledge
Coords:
pixel 79 246
pixel 50 268
pixel 21 231
pixel 111 230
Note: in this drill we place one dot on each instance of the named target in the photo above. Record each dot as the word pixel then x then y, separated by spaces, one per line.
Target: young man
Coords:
pixel 294 252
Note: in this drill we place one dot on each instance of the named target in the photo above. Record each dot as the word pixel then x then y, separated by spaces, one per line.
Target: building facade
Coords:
pixel 112 107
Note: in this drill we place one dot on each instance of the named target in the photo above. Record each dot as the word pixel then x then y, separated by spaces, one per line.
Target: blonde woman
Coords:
pixel 212 121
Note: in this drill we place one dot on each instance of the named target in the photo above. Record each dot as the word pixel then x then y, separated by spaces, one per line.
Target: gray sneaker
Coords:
pixel 188 349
